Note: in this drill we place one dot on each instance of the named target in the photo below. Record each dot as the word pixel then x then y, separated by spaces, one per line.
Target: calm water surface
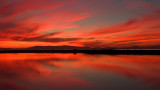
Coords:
pixel 31 71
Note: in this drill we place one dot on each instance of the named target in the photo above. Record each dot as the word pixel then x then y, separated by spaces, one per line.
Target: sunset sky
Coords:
pixel 82 23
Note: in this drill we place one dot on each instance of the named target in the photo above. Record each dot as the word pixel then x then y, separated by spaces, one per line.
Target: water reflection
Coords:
pixel 79 71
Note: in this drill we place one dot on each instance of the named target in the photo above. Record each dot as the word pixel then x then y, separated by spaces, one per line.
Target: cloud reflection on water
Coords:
pixel 79 71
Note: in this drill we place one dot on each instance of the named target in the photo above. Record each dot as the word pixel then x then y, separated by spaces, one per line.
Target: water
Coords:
pixel 46 71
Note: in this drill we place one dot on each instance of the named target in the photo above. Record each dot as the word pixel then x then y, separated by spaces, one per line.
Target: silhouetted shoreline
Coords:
pixel 112 52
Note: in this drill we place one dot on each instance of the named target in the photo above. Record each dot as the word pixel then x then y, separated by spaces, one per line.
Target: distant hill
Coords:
pixel 50 47
pixel 6 49
pixel 58 48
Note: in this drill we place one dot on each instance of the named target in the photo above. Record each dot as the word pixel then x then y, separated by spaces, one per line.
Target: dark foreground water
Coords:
pixel 44 71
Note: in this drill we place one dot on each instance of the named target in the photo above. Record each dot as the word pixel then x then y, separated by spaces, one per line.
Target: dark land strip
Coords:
pixel 111 52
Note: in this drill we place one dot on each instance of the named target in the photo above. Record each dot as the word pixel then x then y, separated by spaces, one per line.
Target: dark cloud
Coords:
pixel 14 28
pixel 7 26
pixel 44 38
pixel 130 22
pixel 40 38
pixel 144 47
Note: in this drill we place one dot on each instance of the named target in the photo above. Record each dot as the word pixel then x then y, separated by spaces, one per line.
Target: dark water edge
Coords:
pixel 109 52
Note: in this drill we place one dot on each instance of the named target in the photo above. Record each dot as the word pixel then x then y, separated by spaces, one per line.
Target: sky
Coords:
pixel 81 23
